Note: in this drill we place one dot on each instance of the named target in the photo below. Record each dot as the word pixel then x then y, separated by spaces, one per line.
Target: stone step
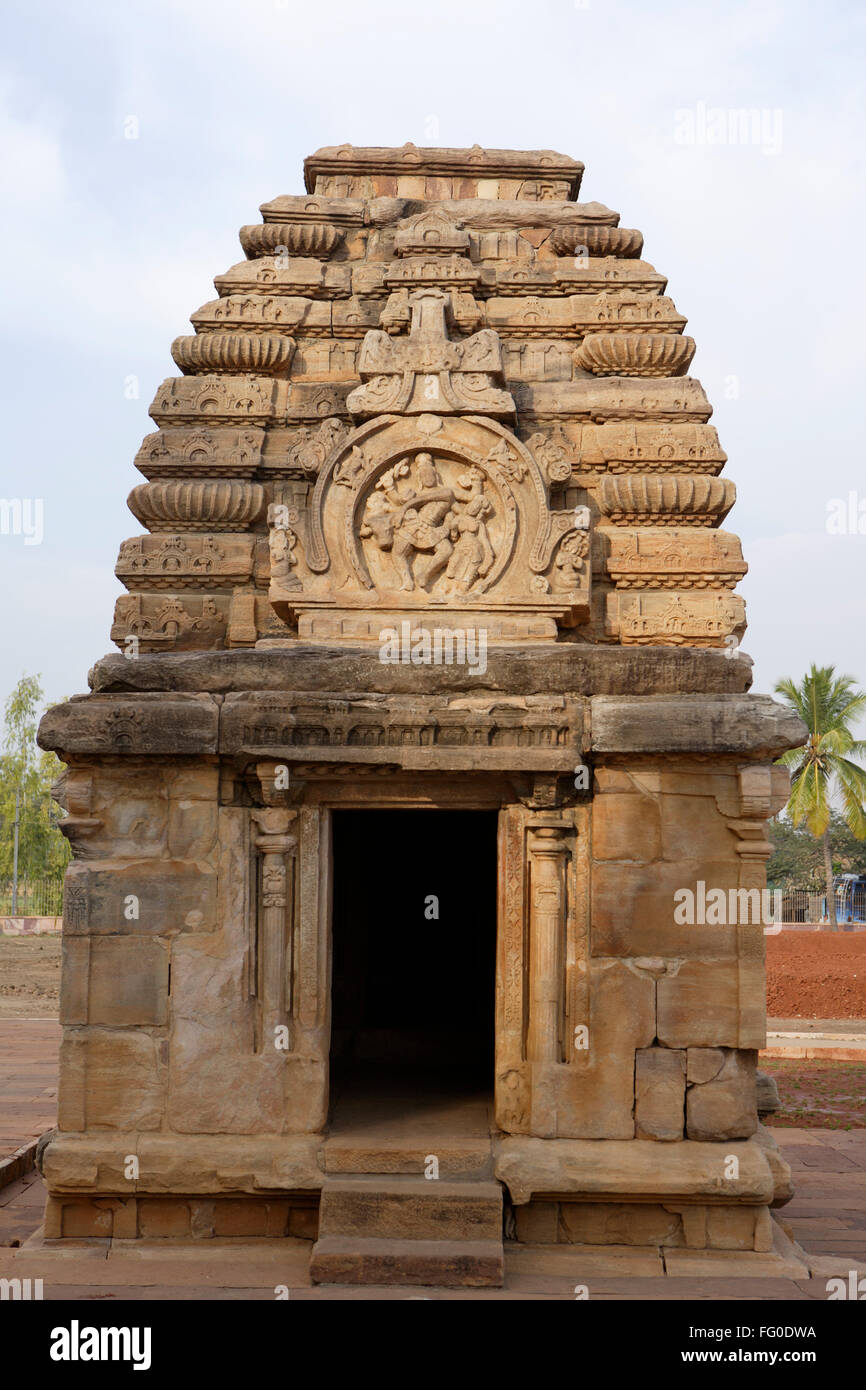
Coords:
pixel 408 1208
pixel 441 1263
pixel 410 1155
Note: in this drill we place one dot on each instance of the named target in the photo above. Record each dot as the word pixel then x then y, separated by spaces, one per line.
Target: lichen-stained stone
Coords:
pixel 132 806
pixel 452 735
pixel 152 897
pixel 550 669
pixel 192 827
pixel 724 1107
pixel 660 1089
pixel 143 724
pixel 185 781
pixel 691 724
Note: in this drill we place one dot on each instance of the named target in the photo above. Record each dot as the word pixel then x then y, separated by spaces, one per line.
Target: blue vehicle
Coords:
pixel 850 893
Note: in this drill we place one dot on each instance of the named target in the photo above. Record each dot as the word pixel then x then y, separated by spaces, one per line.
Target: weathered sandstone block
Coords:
pixel 724 1107
pixel 660 1090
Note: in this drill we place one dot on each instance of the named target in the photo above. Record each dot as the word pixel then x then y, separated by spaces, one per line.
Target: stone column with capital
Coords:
pixel 273 964
pixel 548 851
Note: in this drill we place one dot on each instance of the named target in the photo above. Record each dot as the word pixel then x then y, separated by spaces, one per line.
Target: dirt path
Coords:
pixel 818 1095
pixel 29 976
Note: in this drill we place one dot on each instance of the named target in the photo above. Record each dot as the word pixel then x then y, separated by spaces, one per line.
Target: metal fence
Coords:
pixel 807 905
pixel 38 897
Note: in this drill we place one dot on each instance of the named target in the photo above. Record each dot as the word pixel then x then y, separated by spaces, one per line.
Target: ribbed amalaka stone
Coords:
pixel 267 353
pixel 427 689
pixel 703 501
pixel 591 240
pixel 299 239
pixel 197 506
pixel 636 354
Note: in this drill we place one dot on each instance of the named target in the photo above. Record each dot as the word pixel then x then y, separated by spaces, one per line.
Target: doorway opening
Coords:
pixel 414 947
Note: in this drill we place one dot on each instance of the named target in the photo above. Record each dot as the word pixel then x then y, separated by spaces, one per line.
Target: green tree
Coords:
pixel 798 860
pixel 828 705
pixel 28 772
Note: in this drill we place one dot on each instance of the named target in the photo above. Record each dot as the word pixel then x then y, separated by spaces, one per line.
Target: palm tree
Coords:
pixel 828 705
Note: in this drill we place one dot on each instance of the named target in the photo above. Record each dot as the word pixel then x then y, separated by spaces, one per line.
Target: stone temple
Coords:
pixel 427 719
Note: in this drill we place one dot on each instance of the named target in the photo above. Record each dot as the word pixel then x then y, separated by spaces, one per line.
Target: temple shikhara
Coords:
pixel 427 711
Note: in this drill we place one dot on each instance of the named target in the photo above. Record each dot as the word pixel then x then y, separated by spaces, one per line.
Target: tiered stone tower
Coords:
pixel 432 524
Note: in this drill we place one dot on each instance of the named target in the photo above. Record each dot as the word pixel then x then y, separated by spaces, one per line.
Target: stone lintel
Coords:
pixel 747 724
pixel 539 669
pixel 636 1169
pixel 469 734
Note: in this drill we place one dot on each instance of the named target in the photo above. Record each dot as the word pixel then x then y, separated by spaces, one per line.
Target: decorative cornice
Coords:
pixel 474 163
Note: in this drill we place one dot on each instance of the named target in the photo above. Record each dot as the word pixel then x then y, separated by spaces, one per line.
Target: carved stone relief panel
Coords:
pixel 429 514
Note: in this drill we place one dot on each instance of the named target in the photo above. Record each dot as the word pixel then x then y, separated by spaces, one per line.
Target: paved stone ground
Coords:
pixel 827 1218
pixel 28 1080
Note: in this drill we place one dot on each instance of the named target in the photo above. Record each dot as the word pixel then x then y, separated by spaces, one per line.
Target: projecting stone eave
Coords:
pixel 386 211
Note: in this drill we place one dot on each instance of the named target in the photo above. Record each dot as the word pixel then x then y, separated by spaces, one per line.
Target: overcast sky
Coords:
pixel 110 242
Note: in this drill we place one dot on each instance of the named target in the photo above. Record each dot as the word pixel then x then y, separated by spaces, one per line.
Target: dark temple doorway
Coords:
pixel 414 942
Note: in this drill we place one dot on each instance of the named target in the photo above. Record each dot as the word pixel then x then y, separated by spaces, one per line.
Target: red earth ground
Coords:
pixel 816 975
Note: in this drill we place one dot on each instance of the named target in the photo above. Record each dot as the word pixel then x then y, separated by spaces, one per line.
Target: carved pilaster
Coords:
pixel 275 918
pixel 761 791
pixel 548 852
